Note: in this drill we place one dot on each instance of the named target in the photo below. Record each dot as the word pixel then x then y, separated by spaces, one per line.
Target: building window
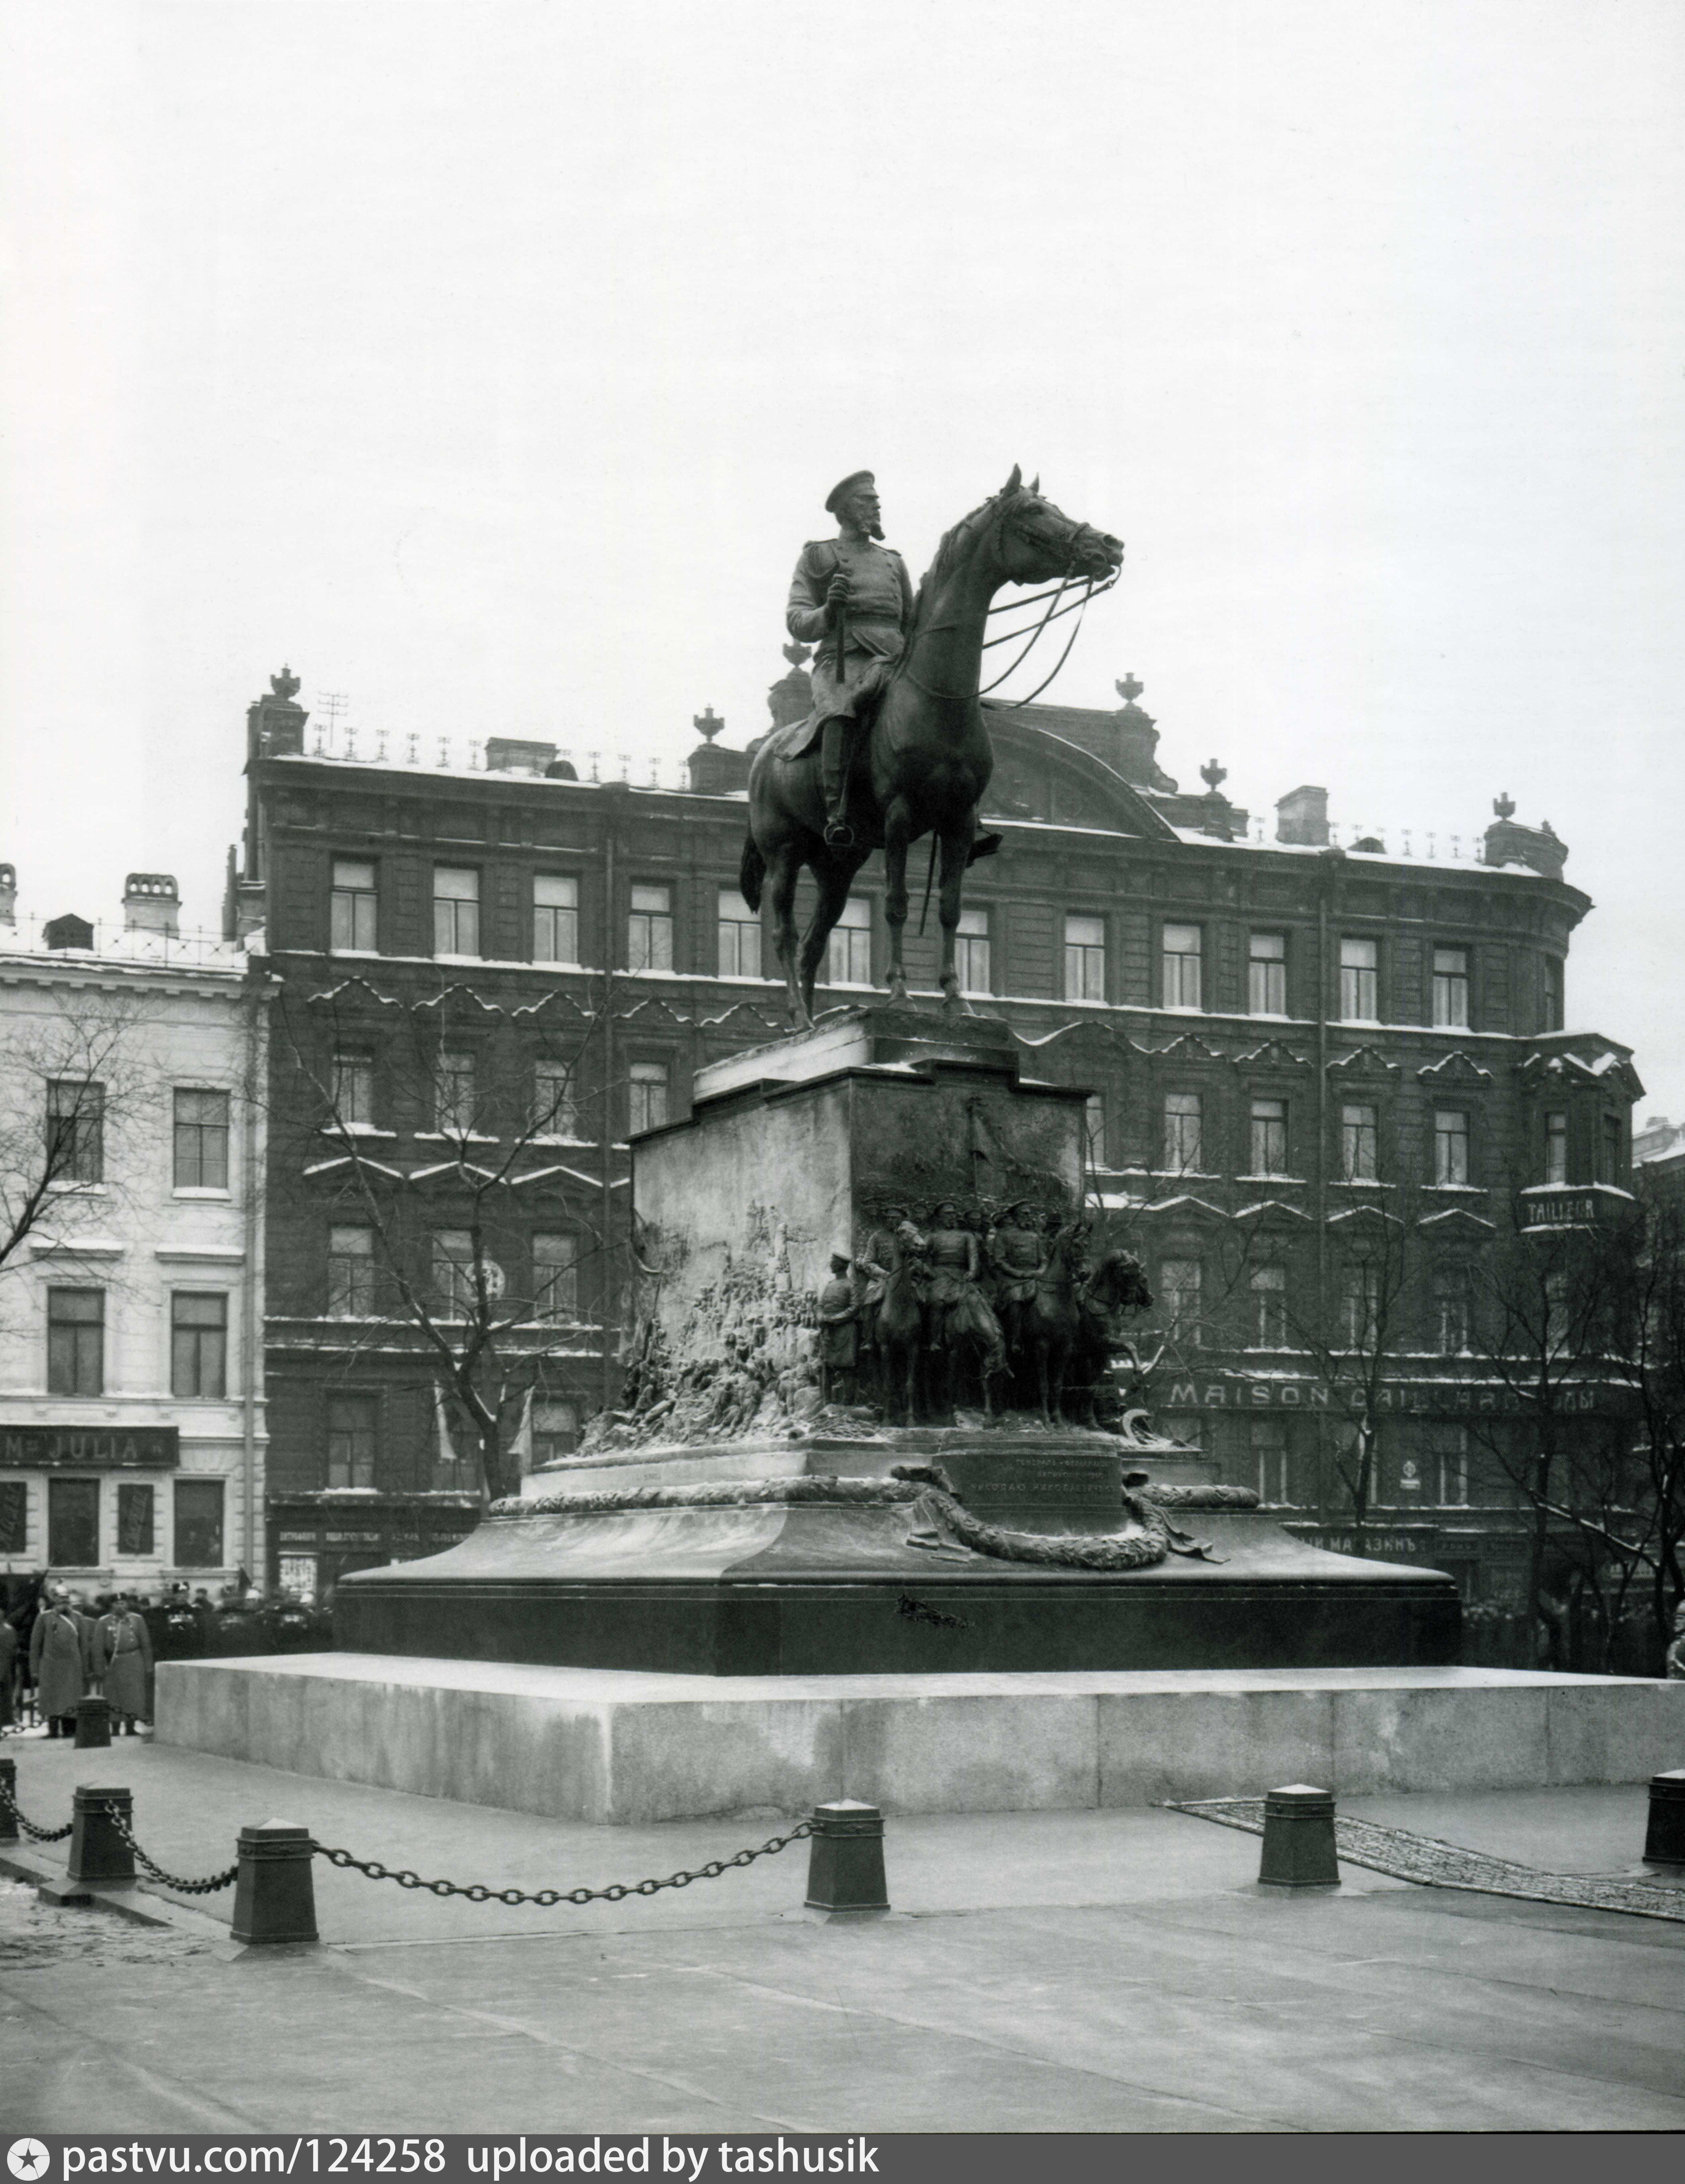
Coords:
pixel 1360 1143
pixel 1451 987
pixel 1361 981
pixel 354 1088
pixel 850 960
pixel 1084 959
pixel 134 1520
pixel 1449 1454
pixel 75 1131
pixel 1614 1146
pixel 1268 1287
pixel 556 1277
pixel 647 1095
pixel 555 1112
pixel 1267 974
pixel 73 1523
pixel 351 913
pixel 201 1141
pixel 350 1272
pixel 351 1440
pixel 1181 959
pixel 971 953
pixel 1452 1310
pixel 1554 1004
pixel 14 1517
pixel 555 1430
pixel 1094 1128
pixel 1556 1148
pixel 1270 1137
pixel 453 1274
pixel 739 938
pixel 1450 1145
pixel 1269 1452
pixel 456 910
pixel 555 918
pixel 1182 1132
pixel 76 1343
pixel 1360 1306
pixel 198 1343
pixel 454 1107
pixel 1180 1282
pixel 198 1524
pixel 649 930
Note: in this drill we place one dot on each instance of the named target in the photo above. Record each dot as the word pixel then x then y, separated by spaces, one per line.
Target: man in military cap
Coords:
pixel 1018 1252
pixel 839 1334
pixel 854 589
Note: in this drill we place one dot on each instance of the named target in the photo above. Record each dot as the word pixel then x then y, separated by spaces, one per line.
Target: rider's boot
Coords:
pixel 833 780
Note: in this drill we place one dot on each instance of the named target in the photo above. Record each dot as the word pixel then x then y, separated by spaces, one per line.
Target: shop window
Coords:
pixel 14 1517
pixel 1267 974
pixel 351 907
pixel 849 962
pixel 649 930
pixel 350 1440
pixel 555 918
pixel 456 910
pixel 297 1575
pixel 73 1523
pixel 198 1343
pixel 201 1140
pixel 739 937
pixel 1084 959
pixel 198 1524
pixel 76 1343
pixel 75 1131
pixel 134 1520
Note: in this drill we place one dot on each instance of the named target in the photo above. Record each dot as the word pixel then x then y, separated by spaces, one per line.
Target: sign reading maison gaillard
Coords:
pixel 90 1448
pixel 1435 1399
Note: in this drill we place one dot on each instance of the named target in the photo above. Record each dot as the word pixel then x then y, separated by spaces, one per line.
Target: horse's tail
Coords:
pixel 750 872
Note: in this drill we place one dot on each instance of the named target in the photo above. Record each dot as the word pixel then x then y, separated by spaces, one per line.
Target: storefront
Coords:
pixel 315 1539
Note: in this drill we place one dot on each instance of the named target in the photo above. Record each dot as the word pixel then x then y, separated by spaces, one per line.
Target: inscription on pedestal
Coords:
pixel 1061 1491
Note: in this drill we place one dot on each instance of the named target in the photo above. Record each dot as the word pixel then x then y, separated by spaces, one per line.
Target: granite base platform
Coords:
pixel 622 1746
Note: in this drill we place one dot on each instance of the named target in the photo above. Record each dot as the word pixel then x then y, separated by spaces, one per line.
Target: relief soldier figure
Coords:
pixel 1017 1253
pixel 852 597
pixel 839 1311
pixel 956 1311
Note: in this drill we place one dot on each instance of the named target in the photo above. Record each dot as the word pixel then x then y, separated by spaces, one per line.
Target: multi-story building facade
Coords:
pixel 132 1434
pixel 1292 1044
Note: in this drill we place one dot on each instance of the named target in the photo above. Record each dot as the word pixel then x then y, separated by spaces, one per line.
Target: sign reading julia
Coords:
pixel 90 1448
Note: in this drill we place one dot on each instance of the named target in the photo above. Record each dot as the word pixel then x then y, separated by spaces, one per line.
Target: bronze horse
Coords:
pixel 927 761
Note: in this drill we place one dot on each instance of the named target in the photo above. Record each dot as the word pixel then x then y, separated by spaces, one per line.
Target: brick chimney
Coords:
pixel 151 903
pixel 8 894
pixel 1302 818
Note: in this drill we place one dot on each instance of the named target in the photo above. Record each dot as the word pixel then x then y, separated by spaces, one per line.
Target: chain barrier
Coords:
pixel 614 1893
pixel 207 1887
pixel 29 1827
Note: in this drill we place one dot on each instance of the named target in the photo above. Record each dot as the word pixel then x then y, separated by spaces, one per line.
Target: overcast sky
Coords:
pixel 490 363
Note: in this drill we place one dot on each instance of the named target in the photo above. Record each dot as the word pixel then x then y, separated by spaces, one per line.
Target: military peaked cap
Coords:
pixel 836 493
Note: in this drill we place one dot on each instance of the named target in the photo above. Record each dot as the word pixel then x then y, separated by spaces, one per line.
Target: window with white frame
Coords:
pixel 1448 1453
pixel 456 910
pixel 1183 1131
pixel 1451 987
pixel 739 937
pixel 971 952
pixel 1359 980
pixel 454 1290
pixel 198 1343
pixel 351 906
pixel 647 1094
pixel 1084 959
pixel 555 917
pixel 353 1086
pixel 649 929
pixel 350 1271
pixel 555 1276
pixel 1181 1283
pixel 453 1106
pixel 1269 1147
pixel 1359 1142
pixel 849 962
pixel 1450 1145
pixel 1182 957
pixel 1556 1148
pixel 1268 1286
pixel 75 1342
pixel 1267 974
pixel 200 1143
pixel 555 1112
pixel 1270 1454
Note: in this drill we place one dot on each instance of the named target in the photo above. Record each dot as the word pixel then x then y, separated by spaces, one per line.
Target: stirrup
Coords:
pixel 839 835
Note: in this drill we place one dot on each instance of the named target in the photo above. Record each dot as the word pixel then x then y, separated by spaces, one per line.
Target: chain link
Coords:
pixel 207 1887
pixel 29 1827
pixel 477 1893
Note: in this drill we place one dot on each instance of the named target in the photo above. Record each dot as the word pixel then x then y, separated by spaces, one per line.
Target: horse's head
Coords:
pixel 1039 542
pixel 1120 1284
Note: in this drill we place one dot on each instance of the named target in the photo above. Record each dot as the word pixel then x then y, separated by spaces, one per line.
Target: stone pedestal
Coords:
pixel 729 1523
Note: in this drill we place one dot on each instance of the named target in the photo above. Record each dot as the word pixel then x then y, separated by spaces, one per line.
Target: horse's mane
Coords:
pixel 948 549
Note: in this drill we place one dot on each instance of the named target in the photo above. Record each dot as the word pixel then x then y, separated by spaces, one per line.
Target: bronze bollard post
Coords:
pixel 274 1895
pixel 1298 1839
pixel 94 1724
pixel 97 1851
pixel 845 1859
pixel 1664 1837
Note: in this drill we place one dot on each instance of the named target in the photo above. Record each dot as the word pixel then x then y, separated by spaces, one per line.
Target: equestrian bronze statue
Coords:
pixel 898 724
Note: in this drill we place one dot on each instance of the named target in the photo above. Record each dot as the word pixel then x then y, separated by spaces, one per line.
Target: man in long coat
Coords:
pixel 120 1655
pixel 58 1660
pixel 8 1654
